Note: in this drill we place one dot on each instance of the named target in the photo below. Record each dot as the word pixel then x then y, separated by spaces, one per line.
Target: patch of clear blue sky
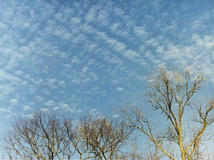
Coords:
pixel 92 56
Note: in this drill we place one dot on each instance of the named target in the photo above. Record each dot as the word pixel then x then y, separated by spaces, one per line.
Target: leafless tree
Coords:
pixel 43 138
pixel 48 137
pixel 76 138
pixel 172 93
pixel 104 137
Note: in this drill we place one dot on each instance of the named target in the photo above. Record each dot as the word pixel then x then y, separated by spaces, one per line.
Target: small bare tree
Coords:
pixel 172 93
pixel 104 137
pixel 43 138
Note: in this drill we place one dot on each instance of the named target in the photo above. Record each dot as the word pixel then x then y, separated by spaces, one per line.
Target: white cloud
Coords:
pixel 119 89
pixel 27 107
pixel 75 20
pixel 14 101
pixel 29 116
pixel 131 54
pixel 44 109
pixel 91 16
pixel 50 103
pixel 85 69
pixel 56 108
pixel 5 110
pixel 140 31
pixel 115 27
pixel 115 116
pixel 52 82
pixel 116 45
pixel 19 73
pixel 197 54
pixel 39 98
pixel 103 17
pixel 119 12
pixel 62 83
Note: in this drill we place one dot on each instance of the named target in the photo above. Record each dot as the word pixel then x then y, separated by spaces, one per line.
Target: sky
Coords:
pixel 91 56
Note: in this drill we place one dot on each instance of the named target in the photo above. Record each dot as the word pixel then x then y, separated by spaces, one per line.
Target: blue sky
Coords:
pixel 83 56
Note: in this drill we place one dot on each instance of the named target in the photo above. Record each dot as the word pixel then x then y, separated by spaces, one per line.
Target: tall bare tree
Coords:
pixel 172 93
pixel 43 138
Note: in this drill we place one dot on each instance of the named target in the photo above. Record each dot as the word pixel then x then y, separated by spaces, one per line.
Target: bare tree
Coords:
pixel 43 138
pixel 104 137
pixel 76 138
pixel 172 94
pixel 47 137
